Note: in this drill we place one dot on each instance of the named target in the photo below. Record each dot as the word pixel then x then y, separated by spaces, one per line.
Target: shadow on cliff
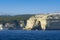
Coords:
pixel 37 27
pixel 16 26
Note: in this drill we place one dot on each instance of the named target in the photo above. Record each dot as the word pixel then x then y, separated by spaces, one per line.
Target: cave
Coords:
pixel 38 26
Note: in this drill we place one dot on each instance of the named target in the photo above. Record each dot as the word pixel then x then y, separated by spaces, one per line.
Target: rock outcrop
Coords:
pixel 34 20
pixel 44 20
pixel 1 27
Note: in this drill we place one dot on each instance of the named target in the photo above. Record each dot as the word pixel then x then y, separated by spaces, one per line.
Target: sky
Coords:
pixel 16 7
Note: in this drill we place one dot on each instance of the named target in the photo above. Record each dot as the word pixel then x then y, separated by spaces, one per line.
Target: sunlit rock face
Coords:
pixel 1 27
pixel 30 23
pixel 43 21
pixel 34 21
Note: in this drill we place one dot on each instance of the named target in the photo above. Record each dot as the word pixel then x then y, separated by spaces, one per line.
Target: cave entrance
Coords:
pixel 38 26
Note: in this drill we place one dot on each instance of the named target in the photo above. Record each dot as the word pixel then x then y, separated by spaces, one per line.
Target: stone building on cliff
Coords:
pixel 43 22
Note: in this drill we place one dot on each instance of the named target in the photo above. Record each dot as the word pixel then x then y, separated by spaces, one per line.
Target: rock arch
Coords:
pixel 37 26
pixel 33 21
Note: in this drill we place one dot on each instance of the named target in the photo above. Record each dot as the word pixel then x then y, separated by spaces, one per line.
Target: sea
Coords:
pixel 29 34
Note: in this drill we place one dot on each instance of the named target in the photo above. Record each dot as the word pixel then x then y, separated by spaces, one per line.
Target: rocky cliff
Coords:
pixel 43 21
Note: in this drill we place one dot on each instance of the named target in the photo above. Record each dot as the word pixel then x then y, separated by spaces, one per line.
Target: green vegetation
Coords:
pixel 9 18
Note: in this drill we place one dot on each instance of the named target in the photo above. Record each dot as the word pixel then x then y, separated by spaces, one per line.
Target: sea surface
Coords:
pixel 29 35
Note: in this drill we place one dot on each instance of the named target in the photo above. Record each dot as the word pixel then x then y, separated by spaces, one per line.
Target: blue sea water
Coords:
pixel 29 35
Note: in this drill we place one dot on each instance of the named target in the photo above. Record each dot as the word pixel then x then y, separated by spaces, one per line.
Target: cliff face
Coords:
pixel 46 21
pixel 36 21
pixel 53 22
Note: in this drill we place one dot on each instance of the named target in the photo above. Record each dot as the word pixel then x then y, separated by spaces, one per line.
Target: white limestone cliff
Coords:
pixel 47 21
pixel 35 19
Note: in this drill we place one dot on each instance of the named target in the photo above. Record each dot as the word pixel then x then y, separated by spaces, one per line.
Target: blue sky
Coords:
pixel 16 7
